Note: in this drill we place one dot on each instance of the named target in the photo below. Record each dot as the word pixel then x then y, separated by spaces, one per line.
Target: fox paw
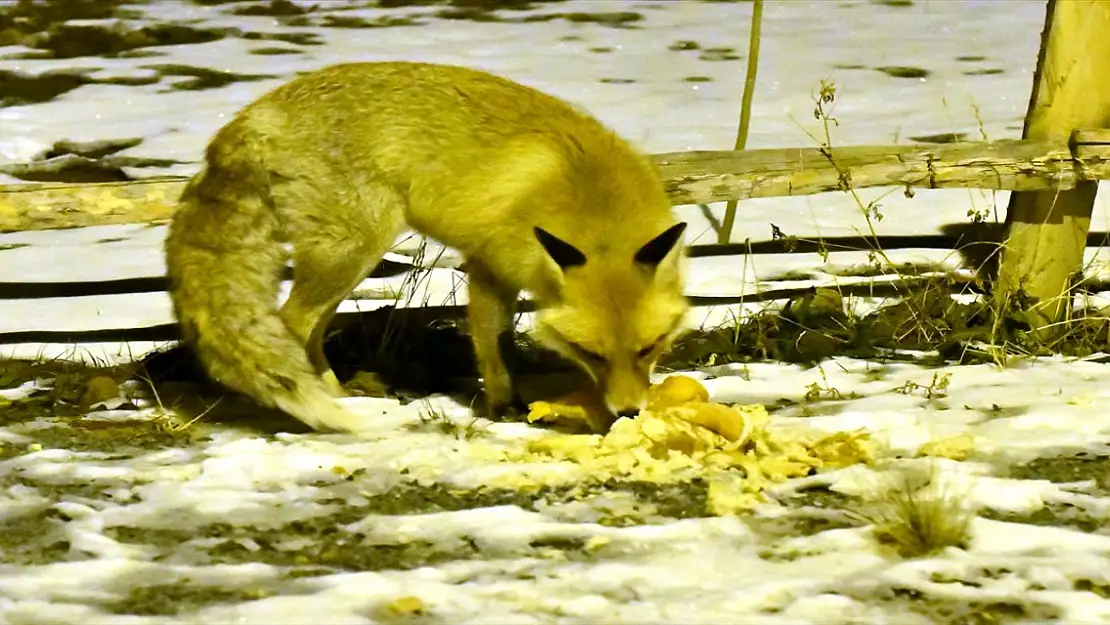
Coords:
pixel 513 410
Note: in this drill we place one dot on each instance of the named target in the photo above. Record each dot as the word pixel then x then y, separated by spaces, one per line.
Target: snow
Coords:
pixel 142 520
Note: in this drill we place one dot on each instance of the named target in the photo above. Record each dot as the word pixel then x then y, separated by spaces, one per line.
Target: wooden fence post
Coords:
pixel 1047 230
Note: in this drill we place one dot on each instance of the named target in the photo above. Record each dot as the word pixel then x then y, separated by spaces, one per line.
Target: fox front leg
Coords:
pixel 490 314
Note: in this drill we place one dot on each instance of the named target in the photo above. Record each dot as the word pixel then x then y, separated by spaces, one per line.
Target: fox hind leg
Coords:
pixel 333 251
pixel 490 316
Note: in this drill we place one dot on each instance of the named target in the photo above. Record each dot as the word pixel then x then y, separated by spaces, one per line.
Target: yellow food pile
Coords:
pixel 682 435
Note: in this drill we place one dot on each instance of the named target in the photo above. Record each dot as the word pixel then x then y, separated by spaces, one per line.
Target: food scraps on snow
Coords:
pixel 682 435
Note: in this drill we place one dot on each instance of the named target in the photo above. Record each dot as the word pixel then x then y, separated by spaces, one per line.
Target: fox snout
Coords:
pixel 627 394
pixel 627 412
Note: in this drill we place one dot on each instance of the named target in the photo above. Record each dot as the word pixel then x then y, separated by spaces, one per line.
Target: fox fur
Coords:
pixel 535 194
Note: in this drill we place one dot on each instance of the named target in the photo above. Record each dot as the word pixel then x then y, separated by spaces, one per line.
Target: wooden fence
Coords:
pixel 1053 171
pixel 691 177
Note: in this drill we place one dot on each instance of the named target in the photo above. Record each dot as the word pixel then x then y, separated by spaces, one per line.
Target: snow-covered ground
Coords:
pixel 236 526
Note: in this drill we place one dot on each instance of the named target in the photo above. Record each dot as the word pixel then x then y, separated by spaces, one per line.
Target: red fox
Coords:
pixel 534 194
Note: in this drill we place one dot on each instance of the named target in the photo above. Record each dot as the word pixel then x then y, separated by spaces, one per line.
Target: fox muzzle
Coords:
pixel 626 396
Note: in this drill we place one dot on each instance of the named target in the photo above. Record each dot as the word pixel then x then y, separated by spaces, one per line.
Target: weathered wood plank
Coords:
pixel 47 206
pixel 1091 136
pixel 694 177
pixel 701 177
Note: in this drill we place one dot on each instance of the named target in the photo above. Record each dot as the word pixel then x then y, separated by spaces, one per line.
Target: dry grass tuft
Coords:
pixel 917 514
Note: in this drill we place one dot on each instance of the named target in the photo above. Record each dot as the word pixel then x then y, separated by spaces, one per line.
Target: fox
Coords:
pixel 328 169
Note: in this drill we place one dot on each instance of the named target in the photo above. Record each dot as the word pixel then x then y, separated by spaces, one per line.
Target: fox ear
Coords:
pixel 654 251
pixel 564 254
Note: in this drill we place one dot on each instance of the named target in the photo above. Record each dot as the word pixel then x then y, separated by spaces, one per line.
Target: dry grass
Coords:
pixel 917 513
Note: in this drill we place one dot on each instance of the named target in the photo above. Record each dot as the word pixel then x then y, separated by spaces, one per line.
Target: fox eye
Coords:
pixel 645 352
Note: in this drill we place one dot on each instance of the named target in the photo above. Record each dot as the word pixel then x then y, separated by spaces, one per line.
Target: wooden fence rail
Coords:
pixel 425 314
pixel 691 178
pixel 695 177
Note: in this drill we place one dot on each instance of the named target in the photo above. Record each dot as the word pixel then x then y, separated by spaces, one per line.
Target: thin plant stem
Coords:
pixel 725 233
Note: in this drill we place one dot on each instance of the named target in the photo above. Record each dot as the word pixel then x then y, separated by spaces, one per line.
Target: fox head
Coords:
pixel 615 312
